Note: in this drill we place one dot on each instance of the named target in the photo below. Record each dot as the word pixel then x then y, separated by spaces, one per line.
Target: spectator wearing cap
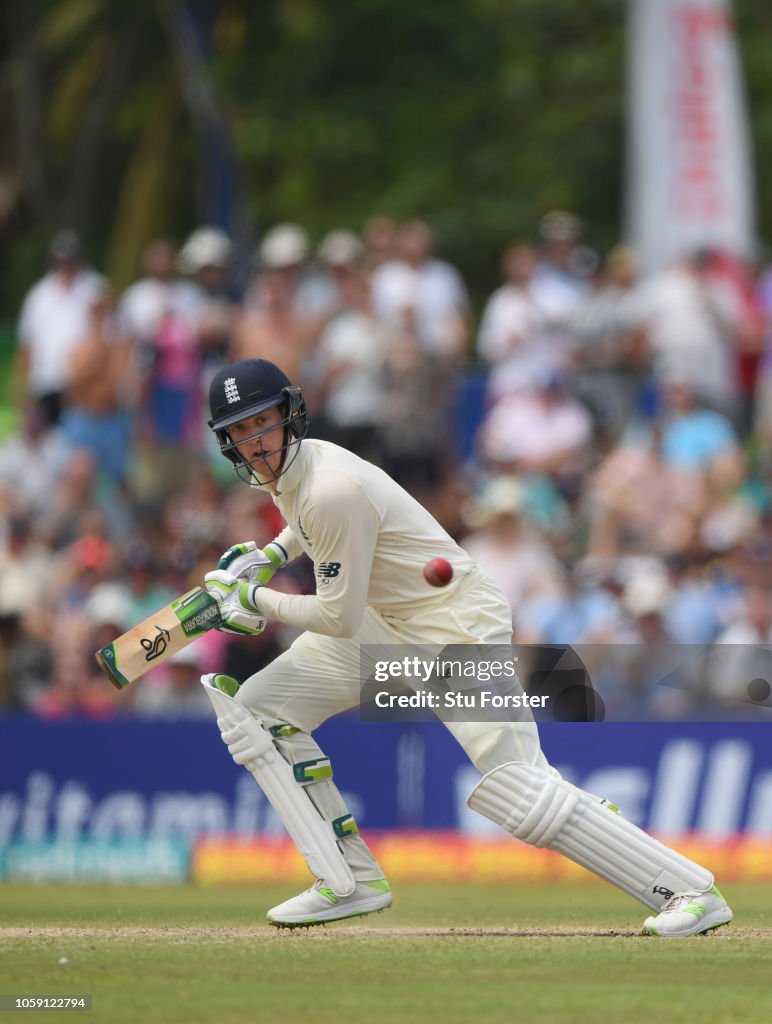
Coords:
pixel 342 249
pixel 285 246
pixel 284 306
pixel 107 612
pixel 159 314
pixel 286 249
pixel 660 684
pixel 349 356
pixel 503 542
pixel 339 265
pixel 208 258
pixel 424 301
pixel 54 319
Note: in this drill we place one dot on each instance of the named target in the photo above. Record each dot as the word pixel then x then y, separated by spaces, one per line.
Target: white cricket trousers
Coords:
pixel 320 676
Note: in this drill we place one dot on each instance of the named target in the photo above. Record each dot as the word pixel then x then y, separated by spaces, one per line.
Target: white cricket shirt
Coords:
pixel 367 537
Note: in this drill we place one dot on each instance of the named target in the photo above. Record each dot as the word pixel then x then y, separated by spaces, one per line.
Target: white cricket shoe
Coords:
pixel 319 904
pixel 689 913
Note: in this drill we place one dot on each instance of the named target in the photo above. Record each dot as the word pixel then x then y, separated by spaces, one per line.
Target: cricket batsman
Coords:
pixel 369 541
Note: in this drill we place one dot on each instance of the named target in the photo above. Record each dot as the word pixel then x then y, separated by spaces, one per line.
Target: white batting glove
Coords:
pixel 249 562
pixel 238 612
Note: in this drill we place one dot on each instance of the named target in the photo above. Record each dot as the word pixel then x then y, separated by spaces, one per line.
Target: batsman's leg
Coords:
pixel 523 794
pixel 276 709
pixel 297 779
pixel 371 891
pixel 539 807
pixel 520 792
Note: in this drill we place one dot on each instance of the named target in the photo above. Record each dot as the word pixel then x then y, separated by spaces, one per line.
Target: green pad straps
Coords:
pixel 312 771
pixel 345 826
pixel 280 731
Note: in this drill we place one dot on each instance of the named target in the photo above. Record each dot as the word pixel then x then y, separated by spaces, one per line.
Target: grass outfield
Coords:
pixel 445 954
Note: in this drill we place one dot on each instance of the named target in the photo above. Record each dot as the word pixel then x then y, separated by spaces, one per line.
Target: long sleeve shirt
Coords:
pixel 367 537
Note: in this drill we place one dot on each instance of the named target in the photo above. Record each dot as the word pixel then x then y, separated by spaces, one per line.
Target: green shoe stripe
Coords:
pixel 378 884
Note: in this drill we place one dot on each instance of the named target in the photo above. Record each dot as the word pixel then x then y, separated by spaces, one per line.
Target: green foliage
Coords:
pixel 476 114
pixel 754 26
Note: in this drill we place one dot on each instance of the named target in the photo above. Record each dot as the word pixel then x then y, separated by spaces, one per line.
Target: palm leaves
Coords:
pixel 108 141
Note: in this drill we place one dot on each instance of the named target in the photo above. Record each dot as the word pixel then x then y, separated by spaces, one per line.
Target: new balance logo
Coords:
pixel 329 570
pixel 661 890
pixel 231 390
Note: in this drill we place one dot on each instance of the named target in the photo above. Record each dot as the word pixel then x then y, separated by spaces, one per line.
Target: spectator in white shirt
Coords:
pixel 441 301
pixel 53 321
pixel 514 338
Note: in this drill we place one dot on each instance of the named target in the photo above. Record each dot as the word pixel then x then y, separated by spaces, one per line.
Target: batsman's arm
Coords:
pixel 289 541
pixel 158 637
pixel 344 546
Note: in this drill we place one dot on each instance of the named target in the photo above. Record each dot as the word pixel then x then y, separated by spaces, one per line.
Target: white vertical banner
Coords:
pixel 689 179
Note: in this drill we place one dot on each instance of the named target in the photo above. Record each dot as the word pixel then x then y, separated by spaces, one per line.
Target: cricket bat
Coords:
pixel 159 637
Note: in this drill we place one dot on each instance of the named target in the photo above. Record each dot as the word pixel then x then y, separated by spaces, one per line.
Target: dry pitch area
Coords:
pixel 451 954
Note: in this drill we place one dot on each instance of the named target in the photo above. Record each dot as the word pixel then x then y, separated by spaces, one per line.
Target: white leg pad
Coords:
pixel 539 807
pixel 252 745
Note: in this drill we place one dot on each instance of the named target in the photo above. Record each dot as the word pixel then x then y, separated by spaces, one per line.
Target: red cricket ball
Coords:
pixel 438 572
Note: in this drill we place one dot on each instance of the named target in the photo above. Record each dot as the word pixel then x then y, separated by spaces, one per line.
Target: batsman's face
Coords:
pixel 260 441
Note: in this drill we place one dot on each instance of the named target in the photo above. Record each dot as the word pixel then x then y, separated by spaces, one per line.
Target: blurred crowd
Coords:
pixel 617 483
